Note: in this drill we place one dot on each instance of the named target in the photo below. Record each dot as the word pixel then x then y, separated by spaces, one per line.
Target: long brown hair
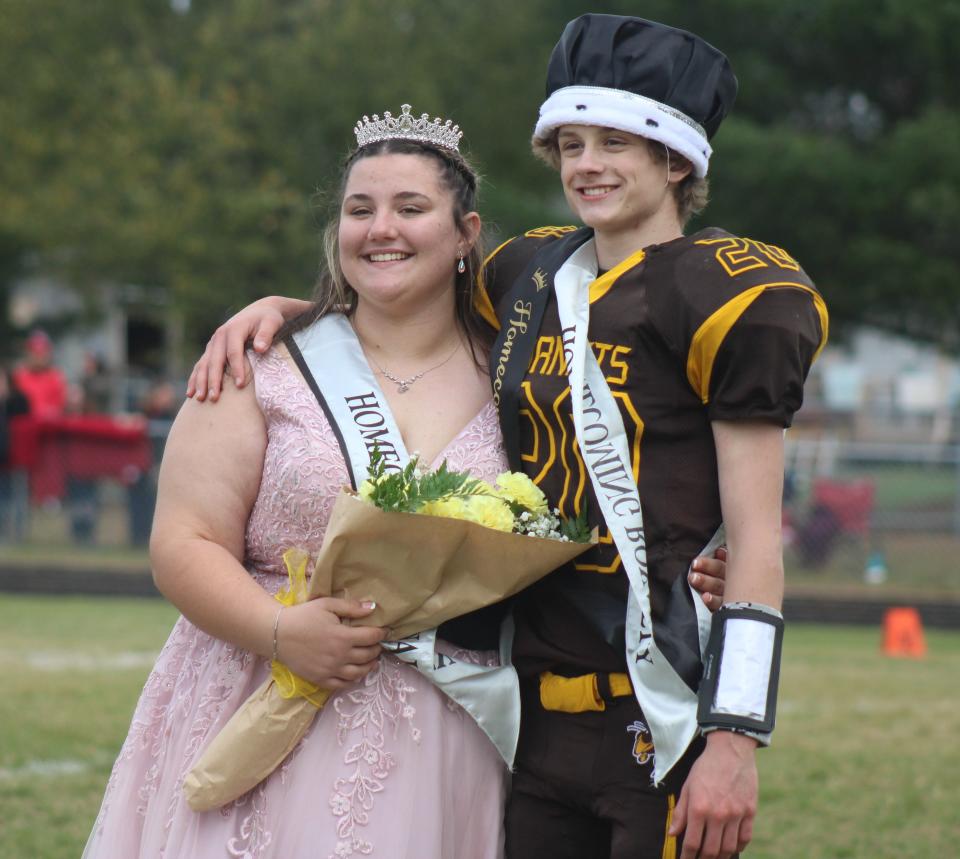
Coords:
pixel 333 293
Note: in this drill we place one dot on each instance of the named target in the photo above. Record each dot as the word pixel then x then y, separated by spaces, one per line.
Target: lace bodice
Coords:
pixel 303 467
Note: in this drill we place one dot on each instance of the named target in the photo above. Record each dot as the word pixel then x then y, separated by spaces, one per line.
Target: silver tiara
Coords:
pixel 406 127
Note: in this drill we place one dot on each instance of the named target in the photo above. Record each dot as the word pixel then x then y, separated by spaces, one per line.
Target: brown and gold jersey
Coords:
pixel 706 327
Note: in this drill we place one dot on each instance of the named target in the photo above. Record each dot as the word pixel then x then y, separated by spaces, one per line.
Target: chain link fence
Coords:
pixel 882 515
pixel 885 516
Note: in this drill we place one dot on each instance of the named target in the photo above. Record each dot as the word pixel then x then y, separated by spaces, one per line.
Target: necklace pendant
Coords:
pixel 402 388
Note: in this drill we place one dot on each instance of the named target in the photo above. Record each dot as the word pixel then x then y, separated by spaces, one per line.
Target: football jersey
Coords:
pixel 705 327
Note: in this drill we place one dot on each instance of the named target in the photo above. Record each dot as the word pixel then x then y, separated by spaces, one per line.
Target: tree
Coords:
pixel 185 151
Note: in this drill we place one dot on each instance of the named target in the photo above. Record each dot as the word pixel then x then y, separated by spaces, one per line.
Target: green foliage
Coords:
pixel 577 530
pixel 406 491
pixel 184 151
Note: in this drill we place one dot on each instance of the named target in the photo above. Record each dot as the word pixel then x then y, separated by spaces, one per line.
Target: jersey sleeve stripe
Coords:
pixel 497 250
pixel 483 305
pixel 481 298
pixel 603 284
pixel 710 335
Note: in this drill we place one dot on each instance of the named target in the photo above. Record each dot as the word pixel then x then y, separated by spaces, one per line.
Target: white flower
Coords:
pixel 420 468
pixel 544 525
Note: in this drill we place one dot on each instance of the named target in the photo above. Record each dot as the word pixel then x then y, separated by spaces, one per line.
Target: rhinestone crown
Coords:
pixel 407 127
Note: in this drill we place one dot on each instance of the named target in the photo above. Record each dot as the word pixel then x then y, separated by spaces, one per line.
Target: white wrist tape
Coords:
pixel 742 669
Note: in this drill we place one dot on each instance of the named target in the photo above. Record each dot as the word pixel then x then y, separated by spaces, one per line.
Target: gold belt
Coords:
pixel 583 694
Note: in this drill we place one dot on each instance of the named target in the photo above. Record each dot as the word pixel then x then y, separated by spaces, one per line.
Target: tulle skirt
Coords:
pixel 391 768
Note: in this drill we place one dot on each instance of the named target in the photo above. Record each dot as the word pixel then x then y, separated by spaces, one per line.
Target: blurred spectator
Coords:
pixel 13 402
pixel 43 384
pixel 161 403
pixel 96 389
pixel 159 407
pixel 13 488
pixel 47 391
pixel 818 535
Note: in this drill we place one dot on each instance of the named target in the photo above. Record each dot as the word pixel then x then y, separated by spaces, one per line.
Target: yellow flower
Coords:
pixel 366 489
pixel 520 489
pixel 489 511
pixel 481 487
pixel 452 508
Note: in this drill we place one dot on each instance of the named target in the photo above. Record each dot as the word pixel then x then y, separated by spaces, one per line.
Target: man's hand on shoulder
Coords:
pixel 258 322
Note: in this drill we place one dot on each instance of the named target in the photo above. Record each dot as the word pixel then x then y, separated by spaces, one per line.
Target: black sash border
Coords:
pixel 517 337
pixel 301 363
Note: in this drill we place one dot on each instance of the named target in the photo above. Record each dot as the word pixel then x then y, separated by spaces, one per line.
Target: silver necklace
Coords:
pixel 403 385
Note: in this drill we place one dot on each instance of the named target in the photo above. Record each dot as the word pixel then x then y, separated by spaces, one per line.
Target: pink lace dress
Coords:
pixel 391 766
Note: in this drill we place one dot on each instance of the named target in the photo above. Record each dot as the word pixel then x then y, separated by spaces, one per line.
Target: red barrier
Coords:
pixel 851 501
pixel 90 447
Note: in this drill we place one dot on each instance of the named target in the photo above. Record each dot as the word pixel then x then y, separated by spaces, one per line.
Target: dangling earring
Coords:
pixel 461 265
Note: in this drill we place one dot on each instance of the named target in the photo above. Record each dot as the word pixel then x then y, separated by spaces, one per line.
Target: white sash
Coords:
pixel 669 705
pixel 354 402
pixel 361 417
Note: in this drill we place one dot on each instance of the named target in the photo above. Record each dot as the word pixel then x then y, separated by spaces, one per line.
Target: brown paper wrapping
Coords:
pixel 421 571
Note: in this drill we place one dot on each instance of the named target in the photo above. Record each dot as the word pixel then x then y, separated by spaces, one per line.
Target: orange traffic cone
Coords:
pixel 903 633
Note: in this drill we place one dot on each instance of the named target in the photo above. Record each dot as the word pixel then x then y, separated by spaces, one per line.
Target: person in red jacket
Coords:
pixel 43 384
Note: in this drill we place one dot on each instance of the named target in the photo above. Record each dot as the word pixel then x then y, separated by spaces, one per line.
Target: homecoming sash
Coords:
pixel 518 335
pixel 669 704
pixel 332 362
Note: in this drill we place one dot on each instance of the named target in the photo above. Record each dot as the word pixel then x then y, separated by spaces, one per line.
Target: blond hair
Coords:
pixel 691 194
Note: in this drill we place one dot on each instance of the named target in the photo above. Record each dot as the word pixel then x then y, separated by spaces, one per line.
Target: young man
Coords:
pixel 646 376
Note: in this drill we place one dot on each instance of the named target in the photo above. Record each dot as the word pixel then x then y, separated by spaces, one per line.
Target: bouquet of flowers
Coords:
pixel 425 547
pixel 515 504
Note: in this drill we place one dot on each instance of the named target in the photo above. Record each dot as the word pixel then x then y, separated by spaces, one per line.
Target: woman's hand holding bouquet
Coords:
pixel 350 651
pixel 467 546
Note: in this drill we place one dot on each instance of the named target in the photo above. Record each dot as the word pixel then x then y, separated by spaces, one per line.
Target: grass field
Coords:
pixel 923 565
pixel 865 763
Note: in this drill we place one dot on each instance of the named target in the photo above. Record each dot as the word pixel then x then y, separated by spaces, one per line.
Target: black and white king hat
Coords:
pixel 639 76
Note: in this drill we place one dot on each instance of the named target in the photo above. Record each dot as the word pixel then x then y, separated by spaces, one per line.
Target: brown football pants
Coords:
pixel 582 788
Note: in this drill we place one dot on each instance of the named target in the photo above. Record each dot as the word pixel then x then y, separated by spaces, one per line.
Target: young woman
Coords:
pixel 391 766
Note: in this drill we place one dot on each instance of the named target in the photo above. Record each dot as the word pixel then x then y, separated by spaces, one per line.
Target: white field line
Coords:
pixel 65 660
pixel 40 769
pixel 51 661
